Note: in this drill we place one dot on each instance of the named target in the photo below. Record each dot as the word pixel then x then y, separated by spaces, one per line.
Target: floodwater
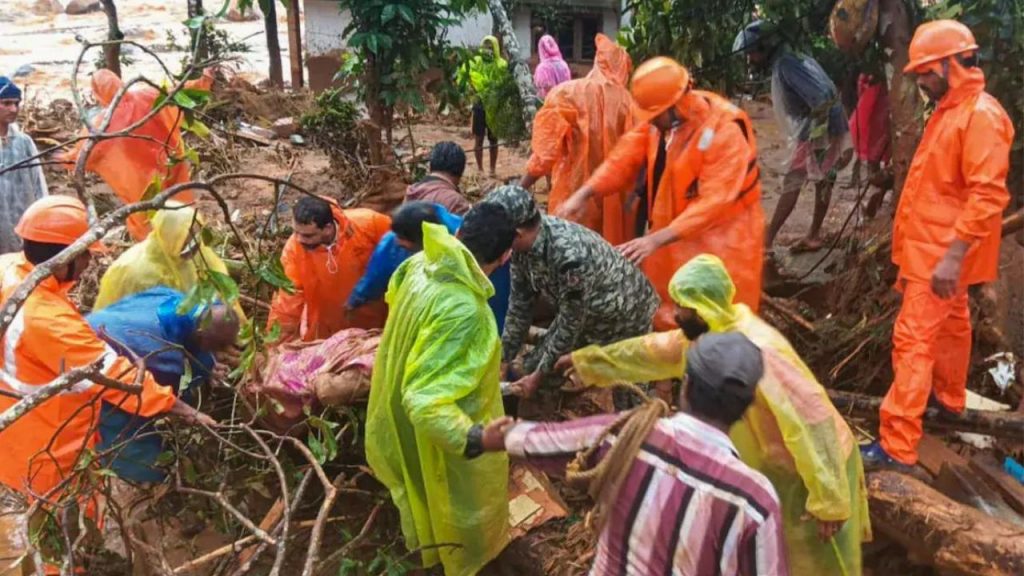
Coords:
pixel 40 48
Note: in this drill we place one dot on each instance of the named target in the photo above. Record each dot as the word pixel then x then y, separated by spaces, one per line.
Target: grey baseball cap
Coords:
pixel 716 357
pixel 516 200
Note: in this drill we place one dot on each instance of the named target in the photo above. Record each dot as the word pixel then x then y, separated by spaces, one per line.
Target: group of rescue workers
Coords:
pixel 756 473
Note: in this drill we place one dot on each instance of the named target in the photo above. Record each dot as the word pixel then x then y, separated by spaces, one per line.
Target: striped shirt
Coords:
pixel 688 507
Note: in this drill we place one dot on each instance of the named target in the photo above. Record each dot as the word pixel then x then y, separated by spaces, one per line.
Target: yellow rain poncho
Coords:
pixel 791 433
pixel 436 376
pixel 157 260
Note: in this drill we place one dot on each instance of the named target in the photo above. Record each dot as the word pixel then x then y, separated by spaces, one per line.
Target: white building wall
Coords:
pixel 521 24
pixel 471 30
pixel 324 23
pixel 610 23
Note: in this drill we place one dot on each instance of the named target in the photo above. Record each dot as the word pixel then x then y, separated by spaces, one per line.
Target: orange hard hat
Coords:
pixel 657 85
pixel 56 220
pixel 936 40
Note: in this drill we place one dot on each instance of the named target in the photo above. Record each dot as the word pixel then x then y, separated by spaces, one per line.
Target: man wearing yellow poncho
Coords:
pixel 435 384
pixel 791 433
pixel 169 257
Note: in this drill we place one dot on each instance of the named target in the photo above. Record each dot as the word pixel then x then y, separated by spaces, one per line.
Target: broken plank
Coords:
pixel 1008 487
pixel 1004 424
pixel 954 538
pixel 932 453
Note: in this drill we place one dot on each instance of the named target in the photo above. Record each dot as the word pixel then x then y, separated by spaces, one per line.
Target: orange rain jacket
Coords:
pixel 576 129
pixel 709 194
pixel 956 186
pixel 47 337
pixel 325 277
pixel 128 165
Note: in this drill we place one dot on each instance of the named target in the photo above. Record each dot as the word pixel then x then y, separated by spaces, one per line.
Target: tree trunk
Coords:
pixel 295 43
pixel 954 538
pixel 112 52
pixel 1002 424
pixel 273 42
pixel 895 27
pixel 520 69
pixel 195 8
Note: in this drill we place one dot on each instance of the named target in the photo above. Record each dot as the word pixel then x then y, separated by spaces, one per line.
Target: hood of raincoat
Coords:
pixel 105 85
pixel 495 47
pixel 611 61
pixel 963 83
pixel 548 49
pixel 448 260
pixel 171 228
pixel 704 284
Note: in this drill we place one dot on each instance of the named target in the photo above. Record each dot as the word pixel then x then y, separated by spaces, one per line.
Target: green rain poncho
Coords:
pixel 436 375
pixel 791 433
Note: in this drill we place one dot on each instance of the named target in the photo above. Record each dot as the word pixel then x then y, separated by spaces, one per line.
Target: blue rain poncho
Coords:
pixel 436 375
pixel 18 188
pixel 389 255
pixel 142 324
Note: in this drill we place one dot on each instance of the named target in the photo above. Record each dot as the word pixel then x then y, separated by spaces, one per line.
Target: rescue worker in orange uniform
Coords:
pixel 129 165
pixel 325 258
pixel 946 235
pixel 703 183
pixel 574 132
pixel 49 337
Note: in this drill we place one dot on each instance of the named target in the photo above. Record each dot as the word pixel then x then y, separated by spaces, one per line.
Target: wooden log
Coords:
pixel 1011 490
pixel 954 538
pixel 518 67
pixel 1002 424
pixel 1013 223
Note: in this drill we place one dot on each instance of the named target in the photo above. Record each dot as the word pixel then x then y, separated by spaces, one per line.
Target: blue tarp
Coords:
pixel 143 324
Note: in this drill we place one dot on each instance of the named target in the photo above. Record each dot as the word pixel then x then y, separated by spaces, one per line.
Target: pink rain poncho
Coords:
pixel 552 69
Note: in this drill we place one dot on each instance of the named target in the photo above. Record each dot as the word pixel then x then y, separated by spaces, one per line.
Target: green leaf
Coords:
pixel 406 13
pixel 349 567
pixel 183 100
pixel 196 22
pixel 274 335
pixel 271 272
pixel 186 376
pixel 388 13
pixel 191 476
pixel 153 188
pixel 198 128
pixel 165 458
pixel 316 448
pixel 224 285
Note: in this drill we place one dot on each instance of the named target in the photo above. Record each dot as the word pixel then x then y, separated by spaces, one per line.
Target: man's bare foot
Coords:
pixel 807 244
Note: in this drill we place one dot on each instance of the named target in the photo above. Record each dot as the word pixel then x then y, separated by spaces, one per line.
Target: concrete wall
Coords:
pixel 324 23
pixel 471 30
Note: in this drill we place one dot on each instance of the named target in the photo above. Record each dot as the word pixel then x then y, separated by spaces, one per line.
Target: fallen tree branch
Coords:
pixel 313 552
pixel 341 552
pixel 954 538
pixel 47 391
pixel 1003 424
pixel 786 312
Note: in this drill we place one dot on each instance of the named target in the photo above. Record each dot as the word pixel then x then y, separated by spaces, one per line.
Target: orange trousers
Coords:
pixel 931 352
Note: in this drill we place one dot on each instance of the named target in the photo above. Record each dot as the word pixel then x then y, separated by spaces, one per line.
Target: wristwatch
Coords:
pixel 474 442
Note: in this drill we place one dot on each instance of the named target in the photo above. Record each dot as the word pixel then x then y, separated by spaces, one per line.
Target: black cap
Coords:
pixel 716 357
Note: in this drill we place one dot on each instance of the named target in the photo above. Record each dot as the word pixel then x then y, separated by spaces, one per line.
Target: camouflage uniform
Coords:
pixel 600 297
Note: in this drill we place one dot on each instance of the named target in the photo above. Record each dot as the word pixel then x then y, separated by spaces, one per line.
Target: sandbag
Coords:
pixel 853 24
pixel 311 375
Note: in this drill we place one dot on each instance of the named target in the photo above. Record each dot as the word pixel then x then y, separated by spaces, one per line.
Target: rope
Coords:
pixel 603 480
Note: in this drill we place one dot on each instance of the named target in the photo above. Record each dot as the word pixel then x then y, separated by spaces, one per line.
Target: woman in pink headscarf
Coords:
pixel 552 69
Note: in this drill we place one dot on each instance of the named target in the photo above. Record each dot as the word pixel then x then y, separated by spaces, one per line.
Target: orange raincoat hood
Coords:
pixel 611 62
pixel 574 132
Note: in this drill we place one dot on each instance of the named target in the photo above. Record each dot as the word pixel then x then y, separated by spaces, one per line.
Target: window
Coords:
pixel 575 34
